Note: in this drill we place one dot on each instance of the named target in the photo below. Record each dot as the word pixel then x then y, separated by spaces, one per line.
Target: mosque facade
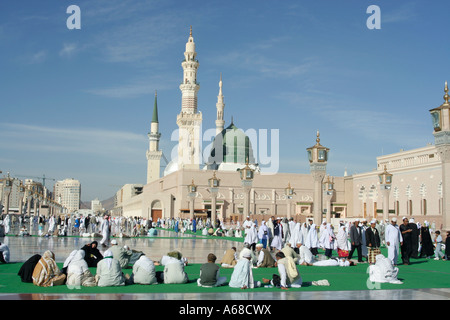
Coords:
pixel 189 188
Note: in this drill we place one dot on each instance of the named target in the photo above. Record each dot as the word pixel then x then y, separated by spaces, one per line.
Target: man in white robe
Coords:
pixel 247 224
pixel 251 236
pixel 305 258
pixel 296 234
pixel 393 238
pixel 383 271
pixel 312 241
pixel 242 276
pixel 288 273
pixel 105 230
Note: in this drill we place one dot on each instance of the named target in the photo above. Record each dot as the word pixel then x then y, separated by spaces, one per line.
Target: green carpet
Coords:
pixel 422 273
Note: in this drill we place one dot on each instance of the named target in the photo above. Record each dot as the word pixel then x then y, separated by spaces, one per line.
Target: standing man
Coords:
pixel 414 239
pixel 104 228
pixel 373 241
pixel 356 240
pixel 393 239
pixel 406 247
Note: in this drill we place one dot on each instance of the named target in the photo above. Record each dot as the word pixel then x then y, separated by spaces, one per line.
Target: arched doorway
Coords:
pixel 156 210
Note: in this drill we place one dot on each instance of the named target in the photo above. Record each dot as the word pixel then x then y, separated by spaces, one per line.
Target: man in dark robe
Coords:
pixel 92 254
pixel 406 246
pixel 414 239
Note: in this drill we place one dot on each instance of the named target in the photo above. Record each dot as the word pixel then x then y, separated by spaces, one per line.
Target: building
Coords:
pixel 68 194
pixel 96 205
pixel 185 190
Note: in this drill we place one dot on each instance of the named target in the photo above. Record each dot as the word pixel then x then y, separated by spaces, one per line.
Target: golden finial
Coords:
pixel 446 96
pixel 190 32
pixel 318 136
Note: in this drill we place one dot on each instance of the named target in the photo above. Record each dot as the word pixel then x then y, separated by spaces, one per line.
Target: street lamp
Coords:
pixel 192 192
pixel 21 195
pixel 213 184
pixel 7 189
pixel 289 192
pixel 247 175
pixel 318 157
pixel 385 187
pixel 441 124
pixel 328 193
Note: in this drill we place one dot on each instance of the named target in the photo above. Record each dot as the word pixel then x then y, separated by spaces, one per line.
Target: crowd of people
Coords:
pixel 277 243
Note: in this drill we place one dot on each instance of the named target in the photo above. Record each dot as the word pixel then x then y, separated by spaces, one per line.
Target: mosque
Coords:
pixel 230 185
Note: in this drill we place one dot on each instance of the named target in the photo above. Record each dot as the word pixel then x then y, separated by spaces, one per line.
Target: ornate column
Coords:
pixel 318 156
pixel 214 189
pixel 385 188
pixel 441 125
pixel 289 192
pixel 328 195
pixel 192 192
pixel 247 175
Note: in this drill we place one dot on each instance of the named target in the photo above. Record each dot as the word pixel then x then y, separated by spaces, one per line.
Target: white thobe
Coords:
pixel 394 237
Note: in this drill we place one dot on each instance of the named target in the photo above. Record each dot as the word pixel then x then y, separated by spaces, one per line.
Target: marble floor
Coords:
pixel 195 249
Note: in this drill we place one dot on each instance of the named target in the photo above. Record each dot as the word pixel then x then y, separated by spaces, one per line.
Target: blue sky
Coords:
pixel 78 103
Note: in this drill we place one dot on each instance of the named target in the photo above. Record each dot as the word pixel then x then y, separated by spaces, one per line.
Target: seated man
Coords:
pixel 210 274
pixel 46 273
pixel 289 252
pixel 229 258
pixel 78 273
pixel 109 271
pixel 305 256
pixel 288 273
pixel 121 254
pixel 242 276
pixel 265 259
pixel 174 264
pixel 144 271
pixel 246 250
pixel 383 271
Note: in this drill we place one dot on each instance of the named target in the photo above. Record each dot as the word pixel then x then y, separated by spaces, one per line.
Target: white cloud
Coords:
pixel 38 57
pixel 68 50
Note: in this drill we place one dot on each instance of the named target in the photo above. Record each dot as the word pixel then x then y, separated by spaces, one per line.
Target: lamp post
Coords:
pixel 21 197
pixel 289 192
pixel 318 157
pixel 213 184
pixel 441 124
pixel 7 190
pixel 192 192
pixel 246 175
pixel 385 187
pixel 328 193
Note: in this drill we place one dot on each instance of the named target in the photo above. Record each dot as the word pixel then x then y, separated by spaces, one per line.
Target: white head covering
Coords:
pixel 69 258
pixel 145 263
pixel 108 256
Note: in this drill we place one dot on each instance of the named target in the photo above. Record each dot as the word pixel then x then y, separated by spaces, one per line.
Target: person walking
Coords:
pixel 356 240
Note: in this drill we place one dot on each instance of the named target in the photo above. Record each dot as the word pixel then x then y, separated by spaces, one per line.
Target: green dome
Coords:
pixel 231 145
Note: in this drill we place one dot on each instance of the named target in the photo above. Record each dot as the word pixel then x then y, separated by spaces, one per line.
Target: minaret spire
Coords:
pixel 153 153
pixel 189 120
pixel 446 96
pixel 220 105
pixel 155 109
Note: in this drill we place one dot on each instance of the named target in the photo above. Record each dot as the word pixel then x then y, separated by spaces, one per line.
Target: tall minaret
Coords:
pixel 220 105
pixel 153 153
pixel 189 120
